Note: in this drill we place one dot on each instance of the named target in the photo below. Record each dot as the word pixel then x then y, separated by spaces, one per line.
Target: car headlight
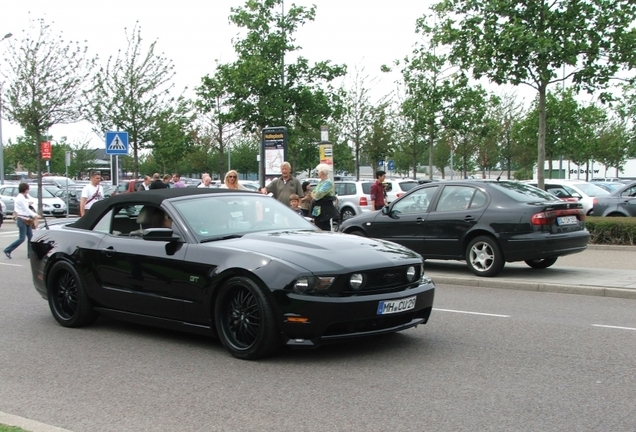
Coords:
pixel 317 284
pixel 356 281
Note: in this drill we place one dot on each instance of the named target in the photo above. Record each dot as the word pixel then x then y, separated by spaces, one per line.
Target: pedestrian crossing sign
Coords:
pixel 117 143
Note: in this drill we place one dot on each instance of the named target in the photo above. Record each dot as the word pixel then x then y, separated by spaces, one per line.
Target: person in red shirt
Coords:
pixel 377 191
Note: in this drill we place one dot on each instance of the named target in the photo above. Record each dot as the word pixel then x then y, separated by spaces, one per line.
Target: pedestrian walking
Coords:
pixel 25 219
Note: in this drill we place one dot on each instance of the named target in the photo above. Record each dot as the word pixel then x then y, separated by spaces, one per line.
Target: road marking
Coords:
pixel 472 313
pixel 11 265
pixel 613 327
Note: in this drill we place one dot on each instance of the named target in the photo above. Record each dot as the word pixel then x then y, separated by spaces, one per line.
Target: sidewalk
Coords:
pixel 602 270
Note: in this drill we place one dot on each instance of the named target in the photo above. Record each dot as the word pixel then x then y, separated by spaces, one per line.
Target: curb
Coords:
pixel 26 424
pixel 534 286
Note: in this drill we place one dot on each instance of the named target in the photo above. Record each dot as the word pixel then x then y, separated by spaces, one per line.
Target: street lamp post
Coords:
pixel 7 36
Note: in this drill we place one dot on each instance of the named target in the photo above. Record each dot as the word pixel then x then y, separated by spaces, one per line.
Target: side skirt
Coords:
pixel 157 322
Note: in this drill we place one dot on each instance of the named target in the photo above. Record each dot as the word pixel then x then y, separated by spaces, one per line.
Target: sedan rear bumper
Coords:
pixel 539 246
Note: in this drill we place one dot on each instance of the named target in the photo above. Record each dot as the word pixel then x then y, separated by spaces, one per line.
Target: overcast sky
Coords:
pixel 362 34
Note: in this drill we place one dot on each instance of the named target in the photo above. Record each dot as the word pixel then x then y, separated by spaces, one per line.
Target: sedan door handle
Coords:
pixel 469 218
pixel 418 220
pixel 109 251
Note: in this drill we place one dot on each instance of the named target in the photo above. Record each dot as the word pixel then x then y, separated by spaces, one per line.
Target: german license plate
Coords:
pixel 566 220
pixel 396 306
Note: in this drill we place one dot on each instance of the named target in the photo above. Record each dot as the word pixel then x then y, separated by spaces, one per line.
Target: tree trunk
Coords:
pixel 541 142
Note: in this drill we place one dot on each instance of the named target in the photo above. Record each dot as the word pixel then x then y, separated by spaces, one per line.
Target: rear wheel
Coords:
pixel 347 213
pixel 484 257
pixel 68 301
pixel 541 263
pixel 245 320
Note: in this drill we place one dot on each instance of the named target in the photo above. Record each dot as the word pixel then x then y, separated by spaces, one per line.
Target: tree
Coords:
pixel 265 90
pixel 131 93
pixel 430 84
pixel 531 42
pixel 355 123
pixel 173 137
pixel 46 77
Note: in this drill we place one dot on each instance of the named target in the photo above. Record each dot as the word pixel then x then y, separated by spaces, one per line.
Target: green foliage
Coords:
pixel 523 174
pixel 132 93
pixel 531 42
pixel 173 137
pixel 243 154
pixel 262 88
pixel 611 230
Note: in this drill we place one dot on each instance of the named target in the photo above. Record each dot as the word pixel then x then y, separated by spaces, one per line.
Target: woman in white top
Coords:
pixel 25 216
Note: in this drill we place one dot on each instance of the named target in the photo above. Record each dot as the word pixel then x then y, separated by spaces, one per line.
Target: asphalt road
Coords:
pixel 489 359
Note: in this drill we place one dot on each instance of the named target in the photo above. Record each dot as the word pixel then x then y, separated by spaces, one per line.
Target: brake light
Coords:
pixel 399 194
pixel 548 217
pixel 363 201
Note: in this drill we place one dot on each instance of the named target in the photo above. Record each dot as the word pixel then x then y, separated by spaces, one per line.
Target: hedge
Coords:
pixel 612 230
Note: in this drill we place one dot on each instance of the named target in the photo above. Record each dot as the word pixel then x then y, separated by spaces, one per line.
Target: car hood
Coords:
pixel 323 251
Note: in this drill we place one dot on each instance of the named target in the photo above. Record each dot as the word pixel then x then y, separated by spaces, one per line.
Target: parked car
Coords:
pixel 354 197
pixel 233 264
pixel 610 186
pixel 60 182
pixel 585 192
pixel 72 203
pixel 484 222
pixel 395 188
pixel 619 203
pixel 51 205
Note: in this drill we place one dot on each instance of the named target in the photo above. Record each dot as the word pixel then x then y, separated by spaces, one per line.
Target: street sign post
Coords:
pixel 117 143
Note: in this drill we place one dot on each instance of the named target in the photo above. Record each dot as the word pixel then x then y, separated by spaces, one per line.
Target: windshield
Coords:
pixel 590 189
pixel 211 217
pixel 523 192
pixel 33 192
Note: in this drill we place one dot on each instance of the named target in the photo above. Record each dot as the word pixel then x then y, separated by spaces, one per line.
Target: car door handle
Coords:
pixel 469 218
pixel 419 220
pixel 109 251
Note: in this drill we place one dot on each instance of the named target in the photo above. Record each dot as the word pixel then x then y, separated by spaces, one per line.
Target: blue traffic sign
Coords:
pixel 117 143
pixel 381 162
pixel 391 165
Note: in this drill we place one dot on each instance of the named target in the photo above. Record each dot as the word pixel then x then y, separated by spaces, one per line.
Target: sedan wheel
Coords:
pixel 68 301
pixel 244 320
pixel 541 263
pixel 483 256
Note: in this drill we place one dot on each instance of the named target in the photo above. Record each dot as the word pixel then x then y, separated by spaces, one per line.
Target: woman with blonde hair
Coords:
pixel 323 209
pixel 231 181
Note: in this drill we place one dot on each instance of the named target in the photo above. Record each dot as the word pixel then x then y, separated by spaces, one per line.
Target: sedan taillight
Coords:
pixel 548 217
pixel 363 201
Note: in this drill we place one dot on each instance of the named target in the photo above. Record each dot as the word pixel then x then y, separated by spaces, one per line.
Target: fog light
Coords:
pixel 410 274
pixel 356 281
pixel 302 285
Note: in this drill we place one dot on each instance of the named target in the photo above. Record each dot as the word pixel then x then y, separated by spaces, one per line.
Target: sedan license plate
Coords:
pixel 566 220
pixel 395 306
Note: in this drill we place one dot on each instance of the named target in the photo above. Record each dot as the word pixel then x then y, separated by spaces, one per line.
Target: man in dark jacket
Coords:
pixel 157 182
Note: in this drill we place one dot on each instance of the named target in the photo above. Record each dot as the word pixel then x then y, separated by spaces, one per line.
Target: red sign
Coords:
pixel 46 150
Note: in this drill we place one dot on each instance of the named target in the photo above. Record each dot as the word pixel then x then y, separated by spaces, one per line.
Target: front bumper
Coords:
pixel 331 319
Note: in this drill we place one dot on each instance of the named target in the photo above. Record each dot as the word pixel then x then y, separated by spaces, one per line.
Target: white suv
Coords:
pixel 398 187
pixel 354 197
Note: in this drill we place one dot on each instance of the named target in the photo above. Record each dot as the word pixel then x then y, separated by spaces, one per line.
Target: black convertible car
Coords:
pixel 235 264
pixel 485 222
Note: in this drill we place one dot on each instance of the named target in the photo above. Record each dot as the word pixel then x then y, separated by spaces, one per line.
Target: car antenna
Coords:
pixel 499 176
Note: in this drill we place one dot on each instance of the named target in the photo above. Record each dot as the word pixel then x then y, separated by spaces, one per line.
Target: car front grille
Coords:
pixel 384 280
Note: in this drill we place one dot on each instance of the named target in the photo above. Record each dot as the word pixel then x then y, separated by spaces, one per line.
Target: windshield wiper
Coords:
pixel 227 237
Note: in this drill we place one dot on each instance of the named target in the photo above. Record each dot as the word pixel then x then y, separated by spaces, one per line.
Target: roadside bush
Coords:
pixel 612 230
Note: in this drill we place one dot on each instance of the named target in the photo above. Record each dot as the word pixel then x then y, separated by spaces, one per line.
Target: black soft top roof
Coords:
pixel 150 197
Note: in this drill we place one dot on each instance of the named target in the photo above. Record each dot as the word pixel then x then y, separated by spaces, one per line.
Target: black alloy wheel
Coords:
pixel 67 297
pixel 244 320
pixel 541 263
pixel 484 257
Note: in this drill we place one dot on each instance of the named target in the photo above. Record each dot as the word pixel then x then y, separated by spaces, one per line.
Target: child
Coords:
pixel 294 202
